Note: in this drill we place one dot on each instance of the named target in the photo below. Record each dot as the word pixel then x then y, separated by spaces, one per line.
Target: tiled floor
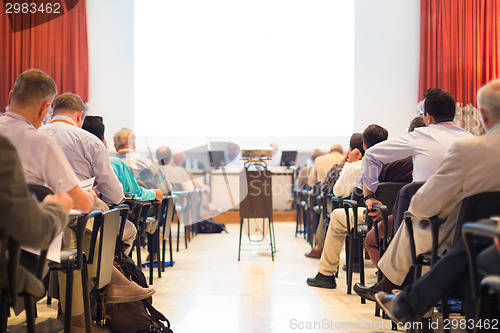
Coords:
pixel 208 290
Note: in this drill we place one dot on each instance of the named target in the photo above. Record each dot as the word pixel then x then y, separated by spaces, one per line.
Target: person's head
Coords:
pixel 374 134
pixel 163 155
pixel 488 101
pixel 316 153
pixel 438 106
pixel 32 95
pixel 94 125
pixel 179 159
pixel 70 105
pixel 415 123
pixel 274 146
pixel 356 149
pixel 337 148
pixel 124 138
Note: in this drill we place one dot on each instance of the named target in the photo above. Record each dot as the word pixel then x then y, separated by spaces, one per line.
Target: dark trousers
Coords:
pixel 448 276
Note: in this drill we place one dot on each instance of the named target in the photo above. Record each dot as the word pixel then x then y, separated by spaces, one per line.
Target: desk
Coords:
pixel 222 193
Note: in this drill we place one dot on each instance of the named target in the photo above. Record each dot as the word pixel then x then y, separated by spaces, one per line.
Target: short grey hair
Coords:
pixel 337 148
pixel 488 98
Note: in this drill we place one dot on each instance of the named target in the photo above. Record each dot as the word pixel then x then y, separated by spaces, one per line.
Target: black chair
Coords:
pixel 302 209
pixel 140 212
pixel 355 235
pixel 11 273
pixel 159 209
pixel 473 208
pixel 105 229
pixel 167 226
pixel 489 287
pixel 314 211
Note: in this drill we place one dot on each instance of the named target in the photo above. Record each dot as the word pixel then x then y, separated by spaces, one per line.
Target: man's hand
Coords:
pixel 63 198
pixel 159 195
pixel 375 214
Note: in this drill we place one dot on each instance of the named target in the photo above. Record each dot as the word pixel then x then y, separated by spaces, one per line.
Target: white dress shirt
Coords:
pixel 43 161
pixel 348 176
pixel 87 155
pixel 427 145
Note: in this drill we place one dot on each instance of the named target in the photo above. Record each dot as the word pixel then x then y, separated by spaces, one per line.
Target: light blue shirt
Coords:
pixel 128 181
pixel 87 155
pixel 427 145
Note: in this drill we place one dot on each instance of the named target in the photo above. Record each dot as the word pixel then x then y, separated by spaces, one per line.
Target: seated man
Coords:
pixel 95 126
pixel 337 229
pixel 324 163
pixel 144 170
pixel 449 275
pixel 402 205
pixel 42 159
pixel 458 176
pixel 23 219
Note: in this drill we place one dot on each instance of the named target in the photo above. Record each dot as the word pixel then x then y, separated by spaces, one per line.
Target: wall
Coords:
pixel 111 63
pixel 387 52
pixel 386 67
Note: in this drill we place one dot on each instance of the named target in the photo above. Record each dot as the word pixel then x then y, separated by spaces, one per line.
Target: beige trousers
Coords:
pixel 334 241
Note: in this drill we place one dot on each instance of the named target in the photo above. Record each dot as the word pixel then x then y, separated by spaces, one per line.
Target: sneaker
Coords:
pixel 322 281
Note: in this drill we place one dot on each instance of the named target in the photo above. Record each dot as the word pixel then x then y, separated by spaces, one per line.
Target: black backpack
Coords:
pixel 134 317
pixel 210 227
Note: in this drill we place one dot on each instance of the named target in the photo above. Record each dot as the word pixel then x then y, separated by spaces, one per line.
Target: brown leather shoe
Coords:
pixel 315 253
pixel 121 290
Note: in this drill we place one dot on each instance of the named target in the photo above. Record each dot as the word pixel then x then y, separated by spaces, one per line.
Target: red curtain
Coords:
pixel 459 46
pixel 58 47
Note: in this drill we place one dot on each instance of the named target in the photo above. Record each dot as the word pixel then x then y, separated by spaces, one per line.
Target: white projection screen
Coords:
pixel 256 68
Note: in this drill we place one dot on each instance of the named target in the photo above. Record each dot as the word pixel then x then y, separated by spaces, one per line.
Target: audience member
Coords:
pixel 42 159
pixel 353 155
pixel 304 172
pixel 23 219
pixel 85 152
pixel 370 242
pixel 337 229
pixel 324 163
pixel 458 176
pixel 144 170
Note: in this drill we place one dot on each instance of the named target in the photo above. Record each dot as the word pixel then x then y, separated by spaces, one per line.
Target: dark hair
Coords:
pixel 33 86
pixel 163 155
pixel 94 125
pixel 374 134
pixel 68 101
pixel 439 104
pixel 415 123
pixel 357 142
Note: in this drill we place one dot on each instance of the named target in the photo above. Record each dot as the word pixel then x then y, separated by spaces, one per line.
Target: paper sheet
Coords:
pixel 54 251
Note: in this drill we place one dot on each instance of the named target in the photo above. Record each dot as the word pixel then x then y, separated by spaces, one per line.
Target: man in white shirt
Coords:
pixel 43 161
pixel 428 146
pixel 85 152
pixel 337 229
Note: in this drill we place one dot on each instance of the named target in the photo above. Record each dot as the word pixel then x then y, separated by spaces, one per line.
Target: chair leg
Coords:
pixel 178 232
pixel 350 264
pixel 4 310
pixel 86 298
pixel 69 298
pixel 157 251
pixel 151 246
pixel 361 264
pixel 445 311
pixel 271 238
pixel 241 231
pixel 29 305
pixel 186 236
pixel 170 248
pixel 138 245
pixel 163 253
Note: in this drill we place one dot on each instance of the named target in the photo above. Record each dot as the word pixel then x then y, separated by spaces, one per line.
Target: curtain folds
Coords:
pixel 58 47
pixel 459 46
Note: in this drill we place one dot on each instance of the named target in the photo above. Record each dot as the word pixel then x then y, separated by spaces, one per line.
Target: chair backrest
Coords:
pixel 357 195
pixel 39 191
pixel 108 225
pixel 477 207
pixel 387 194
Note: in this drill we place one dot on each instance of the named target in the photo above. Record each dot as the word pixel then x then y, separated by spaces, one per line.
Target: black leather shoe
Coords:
pixel 365 292
pixel 389 303
pixel 322 281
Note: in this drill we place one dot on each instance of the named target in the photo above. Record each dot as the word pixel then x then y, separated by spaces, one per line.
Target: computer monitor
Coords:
pixel 288 158
pixel 217 158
